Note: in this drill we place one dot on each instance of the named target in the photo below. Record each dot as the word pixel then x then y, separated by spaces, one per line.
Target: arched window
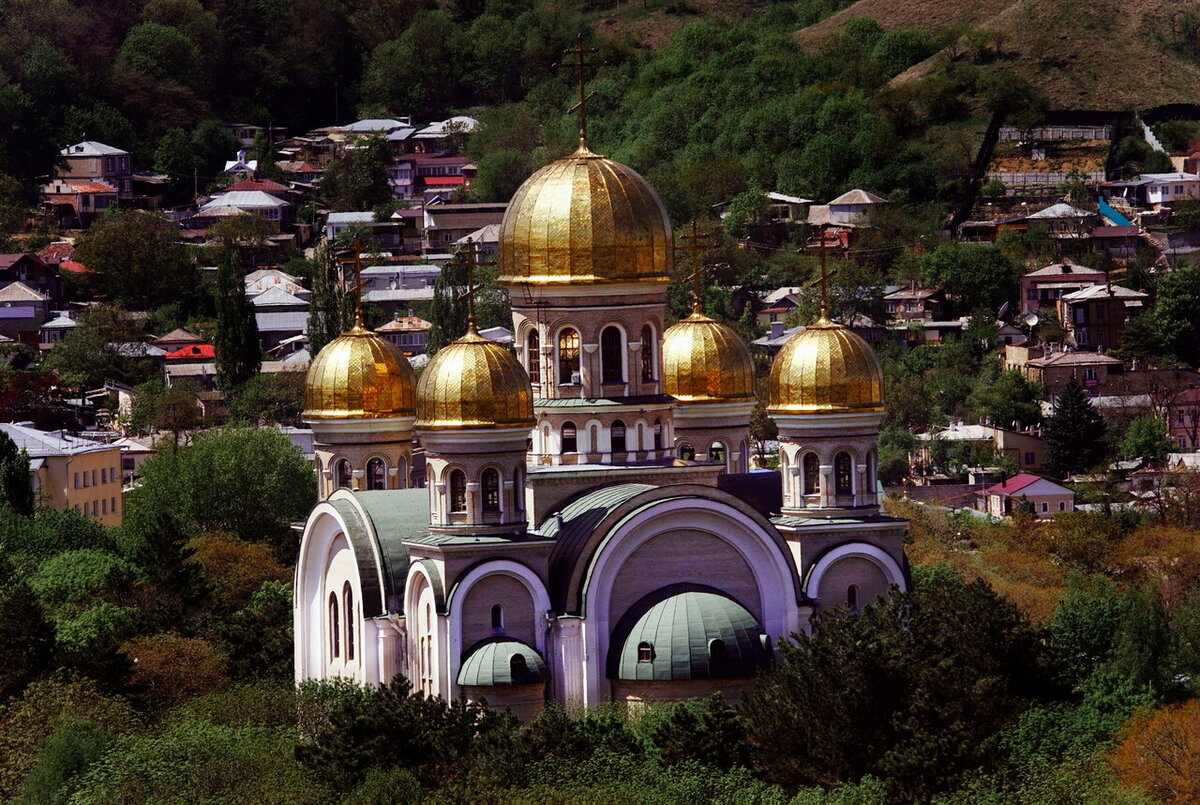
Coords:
pixel 376 474
pixel 533 357
pixel 618 436
pixel 852 597
pixel 335 634
pixel 490 486
pixel 687 452
pixel 716 649
pixel 658 434
pixel 568 357
pixel 497 618
pixel 612 368
pixel 716 453
pixel 645 652
pixel 402 479
pixel 843 483
pixel 348 603
pixel 570 442
pixel 343 474
pixel 811 471
pixel 647 353
pixel 458 492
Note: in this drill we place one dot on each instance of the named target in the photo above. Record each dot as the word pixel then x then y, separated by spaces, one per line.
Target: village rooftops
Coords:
pixel 913 293
pixel 1026 483
pixel 244 199
pixel 857 197
pixel 91 148
pixel 178 336
pixel 1074 359
pixel 193 352
pixel 404 324
pixel 454 125
pixel 1061 210
pixel 265 185
pixel 1065 268
pixel 374 124
pixel 42 444
pixel 20 292
pixel 276 296
pixel 1101 291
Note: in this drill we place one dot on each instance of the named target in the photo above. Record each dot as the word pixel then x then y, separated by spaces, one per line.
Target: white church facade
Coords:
pixel 590 529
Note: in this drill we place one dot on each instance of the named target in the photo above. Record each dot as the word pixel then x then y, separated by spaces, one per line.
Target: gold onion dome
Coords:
pixel 474 383
pixel 705 361
pixel 825 369
pixel 359 375
pixel 585 219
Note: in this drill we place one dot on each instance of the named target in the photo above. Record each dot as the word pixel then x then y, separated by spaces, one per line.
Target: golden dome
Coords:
pixel 585 219
pixel 359 375
pixel 826 369
pixel 474 383
pixel 705 361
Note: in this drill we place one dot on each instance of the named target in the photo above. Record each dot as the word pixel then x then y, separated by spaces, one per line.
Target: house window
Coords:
pixel 458 492
pixel 618 436
pixel 112 506
pixel 497 618
pixel 1091 374
pixel 335 637
pixel 811 473
pixel 348 601
pixel 1062 505
pixel 568 357
pixel 687 452
pixel 645 652
pixel 343 474
pixel 103 505
pixel 1029 459
pixel 77 474
pixel 1045 507
pixel 376 474
pixel 843 483
pixel 612 368
pixel 647 354
pixel 490 484
pixel 104 475
pixel 533 346
pixel 570 440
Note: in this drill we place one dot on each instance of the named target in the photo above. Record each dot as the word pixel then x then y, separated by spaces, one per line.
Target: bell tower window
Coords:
pixel 618 436
pixel 687 452
pixel 843 483
pixel 490 483
pixel 570 441
pixel 611 361
pixel 376 474
pixel 647 356
pixel 533 357
pixel 811 473
pixel 568 357
pixel 458 492
pixel 343 474
pixel 716 453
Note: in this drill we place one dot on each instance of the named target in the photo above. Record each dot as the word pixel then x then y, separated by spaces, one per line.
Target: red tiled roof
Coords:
pixel 434 181
pixel 195 352
pixel 57 251
pixel 90 187
pixel 1015 483
pixel 74 267
pixel 404 324
pixel 265 185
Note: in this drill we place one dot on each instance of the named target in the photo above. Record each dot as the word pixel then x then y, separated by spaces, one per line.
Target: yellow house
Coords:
pixel 72 473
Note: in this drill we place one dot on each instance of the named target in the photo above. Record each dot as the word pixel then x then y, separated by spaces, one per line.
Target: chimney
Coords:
pixel 776 329
pixel 241 155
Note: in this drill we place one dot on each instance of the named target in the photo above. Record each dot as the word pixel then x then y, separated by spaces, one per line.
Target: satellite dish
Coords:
pixel 1003 311
pixel 1030 319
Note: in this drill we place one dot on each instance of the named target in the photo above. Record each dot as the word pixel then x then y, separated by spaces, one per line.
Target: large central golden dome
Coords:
pixel 359 375
pixel 705 361
pixel 474 383
pixel 585 219
pixel 826 369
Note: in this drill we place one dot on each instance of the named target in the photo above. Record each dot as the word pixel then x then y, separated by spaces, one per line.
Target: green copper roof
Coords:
pixel 696 634
pixel 501 661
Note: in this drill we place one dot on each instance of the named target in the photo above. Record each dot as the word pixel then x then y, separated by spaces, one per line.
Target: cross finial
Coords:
pixel 824 278
pixel 696 243
pixel 469 255
pixel 580 66
pixel 358 284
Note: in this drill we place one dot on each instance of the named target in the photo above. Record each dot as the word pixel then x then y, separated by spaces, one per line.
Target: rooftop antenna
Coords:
pixel 580 67
pixel 696 244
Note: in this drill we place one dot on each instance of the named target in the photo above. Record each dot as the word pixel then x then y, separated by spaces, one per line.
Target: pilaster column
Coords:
pixel 826 486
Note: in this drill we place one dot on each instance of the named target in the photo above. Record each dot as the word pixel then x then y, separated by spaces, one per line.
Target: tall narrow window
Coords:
pixel 458 492
pixel 568 356
pixel 658 434
pixel 519 490
pixel 343 474
pixel 348 602
pixel 497 618
pixel 335 634
pixel 843 483
pixel 618 436
pixel 687 452
pixel 812 474
pixel 533 357
pixel 376 474
pixel 647 353
pixel 611 361
pixel 490 486
pixel 570 441
pixel 852 597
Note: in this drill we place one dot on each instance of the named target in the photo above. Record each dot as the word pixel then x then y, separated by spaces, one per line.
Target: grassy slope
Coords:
pixel 1084 54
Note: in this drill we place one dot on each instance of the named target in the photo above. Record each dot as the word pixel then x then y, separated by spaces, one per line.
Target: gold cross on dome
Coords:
pixel 580 66
pixel 697 244
pixel 469 256
pixel 358 284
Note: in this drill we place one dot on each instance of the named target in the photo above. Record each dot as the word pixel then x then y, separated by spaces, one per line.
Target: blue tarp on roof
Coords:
pixel 1108 212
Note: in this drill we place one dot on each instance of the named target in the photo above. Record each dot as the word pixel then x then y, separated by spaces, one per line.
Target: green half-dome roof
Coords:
pixel 689 634
pixel 501 661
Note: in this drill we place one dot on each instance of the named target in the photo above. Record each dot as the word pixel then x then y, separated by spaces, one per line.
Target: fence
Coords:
pixel 1011 180
pixel 1056 133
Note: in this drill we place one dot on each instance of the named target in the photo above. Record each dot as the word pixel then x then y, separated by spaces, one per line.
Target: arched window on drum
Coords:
pixel 376 474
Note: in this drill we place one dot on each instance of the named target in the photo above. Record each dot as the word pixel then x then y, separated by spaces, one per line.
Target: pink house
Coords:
pixel 1047 497
pixel 1041 289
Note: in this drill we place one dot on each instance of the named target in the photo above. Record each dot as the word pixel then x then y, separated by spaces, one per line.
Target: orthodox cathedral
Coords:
pixel 590 529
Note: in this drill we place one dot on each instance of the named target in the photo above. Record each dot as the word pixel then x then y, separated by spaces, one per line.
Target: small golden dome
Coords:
pixel 585 219
pixel 826 369
pixel 474 383
pixel 359 375
pixel 705 361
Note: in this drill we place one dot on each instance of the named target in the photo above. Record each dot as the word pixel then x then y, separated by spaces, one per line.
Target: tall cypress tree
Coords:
pixel 325 310
pixel 239 356
pixel 1075 433
pixel 16 493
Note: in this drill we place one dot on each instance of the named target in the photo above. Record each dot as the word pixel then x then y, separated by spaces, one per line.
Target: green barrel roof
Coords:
pixel 690 635
pixel 500 661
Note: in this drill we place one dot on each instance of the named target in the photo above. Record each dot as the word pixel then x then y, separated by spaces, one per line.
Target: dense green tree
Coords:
pixel 977 277
pixel 26 638
pixel 107 344
pixel 1174 315
pixel 1146 438
pixel 276 398
pixel 499 175
pixel 326 309
pixel 260 635
pixel 239 355
pixel 136 260
pixel 927 680
pixel 1084 627
pixel 706 731
pixel 58 771
pixel 359 180
pixel 1005 397
pixel 193 158
pixel 16 489
pixel 1075 434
